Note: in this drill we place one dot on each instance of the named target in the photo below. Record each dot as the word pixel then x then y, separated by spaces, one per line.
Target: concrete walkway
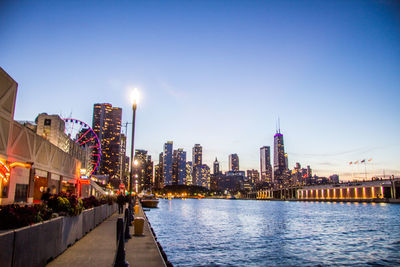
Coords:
pixel 97 248
pixel 142 251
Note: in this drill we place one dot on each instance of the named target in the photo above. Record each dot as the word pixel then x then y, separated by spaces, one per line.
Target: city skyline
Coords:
pixel 331 76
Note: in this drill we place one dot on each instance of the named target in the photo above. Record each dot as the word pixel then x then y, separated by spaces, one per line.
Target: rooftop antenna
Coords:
pixel 279 125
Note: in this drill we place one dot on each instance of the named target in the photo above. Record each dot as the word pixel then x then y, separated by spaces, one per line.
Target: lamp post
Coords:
pixel 134 98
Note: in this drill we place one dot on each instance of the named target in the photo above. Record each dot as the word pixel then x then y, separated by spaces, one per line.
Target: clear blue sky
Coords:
pixel 219 73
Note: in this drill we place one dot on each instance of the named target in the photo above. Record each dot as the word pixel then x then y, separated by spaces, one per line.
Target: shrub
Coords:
pixel 15 216
pixel 90 202
pixel 65 204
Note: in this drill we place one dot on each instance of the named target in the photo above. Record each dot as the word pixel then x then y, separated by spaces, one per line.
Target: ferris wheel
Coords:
pixel 83 135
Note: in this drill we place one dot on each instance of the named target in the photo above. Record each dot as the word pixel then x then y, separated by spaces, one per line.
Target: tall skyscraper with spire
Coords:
pixel 280 159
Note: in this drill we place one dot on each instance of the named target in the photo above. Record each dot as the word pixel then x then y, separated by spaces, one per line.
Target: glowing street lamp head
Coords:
pixel 135 96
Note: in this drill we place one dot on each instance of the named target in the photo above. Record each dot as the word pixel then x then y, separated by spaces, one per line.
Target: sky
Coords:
pixel 220 73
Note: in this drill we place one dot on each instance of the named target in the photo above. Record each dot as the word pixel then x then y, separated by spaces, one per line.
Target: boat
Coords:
pixel 149 201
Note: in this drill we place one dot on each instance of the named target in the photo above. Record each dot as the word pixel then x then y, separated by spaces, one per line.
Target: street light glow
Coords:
pixel 135 96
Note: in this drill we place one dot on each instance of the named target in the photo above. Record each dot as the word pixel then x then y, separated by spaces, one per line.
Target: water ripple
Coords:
pixel 212 232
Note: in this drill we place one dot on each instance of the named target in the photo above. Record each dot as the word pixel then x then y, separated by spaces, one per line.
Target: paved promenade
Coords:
pixel 98 248
pixel 143 250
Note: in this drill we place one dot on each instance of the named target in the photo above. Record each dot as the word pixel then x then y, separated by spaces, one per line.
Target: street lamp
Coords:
pixel 134 99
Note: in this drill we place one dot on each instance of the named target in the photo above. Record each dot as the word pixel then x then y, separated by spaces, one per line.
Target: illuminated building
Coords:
pixel 254 176
pixel 179 167
pixel 157 176
pixel 203 175
pixel 148 183
pixel 107 126
pixel 197 159
pixel 280 161
pixel 309 171
pixel 297 175
pixel 124 171
pixel 233 162
pixel 231 181
pixel 189 173
pixel 167 163
pixel 30 164
pixel 158 172
pixel 265 164
pixel 143 169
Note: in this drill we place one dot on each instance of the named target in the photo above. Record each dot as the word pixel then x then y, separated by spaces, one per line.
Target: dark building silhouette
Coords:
pixel 216 167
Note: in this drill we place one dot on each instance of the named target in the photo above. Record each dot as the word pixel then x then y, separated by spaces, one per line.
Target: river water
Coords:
pixel 218 232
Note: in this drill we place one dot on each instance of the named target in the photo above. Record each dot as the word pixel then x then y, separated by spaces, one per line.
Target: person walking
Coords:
pixel 121 202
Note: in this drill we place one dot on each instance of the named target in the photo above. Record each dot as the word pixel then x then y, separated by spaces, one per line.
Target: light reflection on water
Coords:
pixel 212 232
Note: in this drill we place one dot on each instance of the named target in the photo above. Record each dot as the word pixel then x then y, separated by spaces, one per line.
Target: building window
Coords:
pixel 21 192
pixel 4 188
pixel 47 122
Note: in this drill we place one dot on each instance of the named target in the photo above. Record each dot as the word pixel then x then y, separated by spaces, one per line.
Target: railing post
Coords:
pixel 119 229
pixel 130 214
pixel 127 223
pixel 120 256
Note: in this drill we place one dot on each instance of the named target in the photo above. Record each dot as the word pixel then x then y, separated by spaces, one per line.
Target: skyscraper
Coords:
pixel 158 172
pixel 167 163
pixel 233 162
pixel 202 173
pixel 280 161
pixel 197 155
pixel 253 175
pixel 265 164
pixel 179 167
pixel 148 182
pixel 123 170
pixel 216 167
pixel 140 167
pixel 107 126
pixel 189 173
